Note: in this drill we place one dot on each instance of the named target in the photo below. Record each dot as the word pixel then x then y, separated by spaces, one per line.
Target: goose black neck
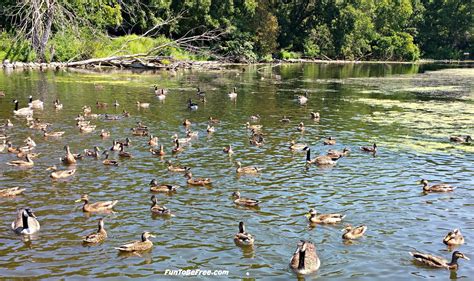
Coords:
pixel 31 99
pixel 241 227
pixel 302 255
pixel 16 106
pixel 25 220
pixel 308 155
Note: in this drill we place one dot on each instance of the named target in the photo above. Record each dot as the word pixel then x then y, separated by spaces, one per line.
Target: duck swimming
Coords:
pixel 351 233
pixel 442 187
pixel 454 238
pixel 157 209
pixel 142 245
pixel 314 217
pixel 191 105
pixel 97 237
pixel 156 187
pixel 97 206
pixel 305 260
pixel 244 201
pixel 323 160
pixel 435 261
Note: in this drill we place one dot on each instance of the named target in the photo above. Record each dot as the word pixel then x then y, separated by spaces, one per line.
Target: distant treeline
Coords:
pixel 243 30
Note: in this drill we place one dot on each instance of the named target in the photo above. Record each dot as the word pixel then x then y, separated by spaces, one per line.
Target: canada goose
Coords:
pixel 161 95
pixel 371 149
pixel 143 104
pixel 11 192
pixel 244 201
pixel 196 181
pixel 315 116
pixel 314 217
pixel 107 161
pixel 97 206
pixel 69 159
pixel 228 149
pixel 56 174
pixel 115 146
pixel 453 238
pixel 23 112
pixel 191 105
pixel 36 104
pixel 460 139
pixel 159 152
pixel 243 238
pixel 353 232
pixel 323 160
pixel 123 153
pixel 22 163
pixel 246 170
pixel 329 141
pixel 177 148
pixel 435 261
pixel 52 134
pixel 155 187
pixel 142 245
pixel 442 187
pixel 98 236
pixel 58 105
pixel 305 259
pixel 157 209
pixel 233 94
pixel 302 99
pixel 25 222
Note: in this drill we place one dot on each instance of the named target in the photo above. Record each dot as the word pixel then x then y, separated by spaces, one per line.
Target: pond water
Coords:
pixel 408 110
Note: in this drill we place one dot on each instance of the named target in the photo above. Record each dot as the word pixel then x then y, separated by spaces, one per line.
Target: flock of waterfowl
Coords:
pixel 304 260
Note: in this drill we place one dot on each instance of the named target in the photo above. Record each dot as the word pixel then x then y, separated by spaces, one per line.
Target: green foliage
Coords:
pixel 286 55
pixel 15 50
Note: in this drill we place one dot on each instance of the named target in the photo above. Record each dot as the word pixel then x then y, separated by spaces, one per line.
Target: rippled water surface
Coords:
pixel 408 110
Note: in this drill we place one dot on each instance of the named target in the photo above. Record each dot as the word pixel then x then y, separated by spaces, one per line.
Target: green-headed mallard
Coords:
pixel 244 201
pixel 314 217
pixel 442 187
pixel 305 260
pixel 460 139
pixel 97 206
pixel 57 174
pixel 371 149
pixel 353 232
pixel 454 238
pixel 157 209
pixel 25 222
pixel 246 170
pixel 11 192
pixel 97 237
pixel 322 160
pixel 243 238
pixel 156 187
pixel 196 181
pixel 109 162
pixel 434 261
pixel 142 245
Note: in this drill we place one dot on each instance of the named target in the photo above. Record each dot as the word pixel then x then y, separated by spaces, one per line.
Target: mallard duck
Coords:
pixel 92 153
pixel 36 124
pixel 153 141
pixel 297 146
pixel 246 170
pixel 11 192
pixel 143 245
pixel 243 238
pixel 58 105
pixel 336 154
pixel 69 159
pixel 12 149
pixel 255 117
pixel 104 134
pixel 22 163
pixel 454 238
pixel 123 153
pixel 212 120
pixel 371 149
pixel 22 112
pixel 313 217
pixel 303 99
pixel 186 123
pixel 30 142
pixel 190 134
pixel 143 104
pixel 101 104
pixel 177 147
pixel 244 201
pixel 255 128
pixel 156 187
pixel 210 129
pixel 97 206
pixel 233 94
pixel 196 181
pixel 109 162
pixel 322 160
pixel 442 187
pixel 285 119
pixel 82 123
pixel 228 149
pixel 191 105
pixel 460 139
pixel 86 110
pixel 315 116
pixel 52 134
pixel 56 174
pixel 125 113
pixel 159 152
pixel 329 141
pixel 97 237
pixel 353 232
pixel 116 103
pixel 36 104
pixel 25 222
pixel 87 128
pixel 139 132
pixel 32 155
pixel 434 261
pixel 305 260
pixel 173 168
pixel 157 209
pixel 115 146
pixel 8 124
pixel 301 127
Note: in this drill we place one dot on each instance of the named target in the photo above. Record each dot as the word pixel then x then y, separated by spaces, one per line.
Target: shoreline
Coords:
pixel 168 63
